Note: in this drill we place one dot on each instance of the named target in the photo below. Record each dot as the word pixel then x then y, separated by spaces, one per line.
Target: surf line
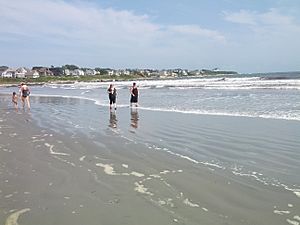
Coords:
pixel 53 152
pixel 13 218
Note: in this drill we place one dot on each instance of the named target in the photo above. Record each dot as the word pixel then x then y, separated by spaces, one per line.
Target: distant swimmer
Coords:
pixel 112 95
pixel 24 93
pixel 14 99
pixel 134 94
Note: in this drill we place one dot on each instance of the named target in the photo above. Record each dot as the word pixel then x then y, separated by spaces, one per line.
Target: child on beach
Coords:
pixel 14 99
pixel 112 95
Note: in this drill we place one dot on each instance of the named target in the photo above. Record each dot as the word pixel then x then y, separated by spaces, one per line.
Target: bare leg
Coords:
pixel 28 102
pixel 23 102
pixel 16 106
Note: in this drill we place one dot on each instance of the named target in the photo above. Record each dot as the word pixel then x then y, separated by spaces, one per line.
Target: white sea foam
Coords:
pixel 207 83
pixel 53 152
pixel 297 217
pixel 281 212
pixel 108 169
pixel 142 189
pixel 189 203
pixel 13 218
pixel 292 222
pixel 224 113
pixel 137 174
pixel 82 158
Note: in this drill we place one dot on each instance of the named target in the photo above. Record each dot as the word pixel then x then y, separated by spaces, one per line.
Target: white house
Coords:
pixel 77 72
pixel 32 74
pixel 184 72
pixel 126 72
pixel 21 72
pixel 67 72
pixel 163 74
pixel 111 72
pixel 90 72
pixel 9 73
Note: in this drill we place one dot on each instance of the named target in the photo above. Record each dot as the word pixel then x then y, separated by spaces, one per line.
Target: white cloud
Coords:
pixel 272 17
pixel 84 33
pixel 241 17
pixel 265 40
pixel 80 21
pixel 197 31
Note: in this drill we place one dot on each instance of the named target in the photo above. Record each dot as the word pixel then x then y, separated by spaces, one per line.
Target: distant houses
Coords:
pixel 72 70
pixel 21 72
pixel 9 73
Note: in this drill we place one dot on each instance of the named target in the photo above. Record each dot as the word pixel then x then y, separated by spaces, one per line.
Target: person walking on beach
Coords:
pixel 14 99
pixel 134 95
pixel 112 95
pixel 24 93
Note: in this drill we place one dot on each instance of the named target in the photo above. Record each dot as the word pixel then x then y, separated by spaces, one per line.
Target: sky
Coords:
pixel 246 36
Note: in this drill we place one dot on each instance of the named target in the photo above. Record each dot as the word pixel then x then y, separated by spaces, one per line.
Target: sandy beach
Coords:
pixel 59 165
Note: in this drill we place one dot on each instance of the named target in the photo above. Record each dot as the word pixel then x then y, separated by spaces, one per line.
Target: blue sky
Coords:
pixel 240 35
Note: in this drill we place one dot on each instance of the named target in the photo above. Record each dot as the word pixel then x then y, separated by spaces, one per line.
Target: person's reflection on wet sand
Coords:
pixel 113 120
pixel 134 117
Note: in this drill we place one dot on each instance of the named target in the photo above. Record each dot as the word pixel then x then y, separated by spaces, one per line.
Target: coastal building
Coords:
pixel 9 73
pixel 43 71
pixel 57 71
pixel 67 72
pixel 2 69
pixel 90 72
pixel 32 74
pixel 163 74
pixel 77 72
pixel 195 73
pixel 126 72
pixel 21 72
pixel 110 72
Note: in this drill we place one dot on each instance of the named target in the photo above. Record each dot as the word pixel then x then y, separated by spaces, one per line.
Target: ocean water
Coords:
pixel 245 127
pixel 268 96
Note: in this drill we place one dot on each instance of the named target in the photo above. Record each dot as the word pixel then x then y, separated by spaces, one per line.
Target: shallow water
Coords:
pixel 268 96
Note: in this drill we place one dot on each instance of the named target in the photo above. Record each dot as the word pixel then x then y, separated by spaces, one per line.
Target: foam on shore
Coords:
pixel 13 218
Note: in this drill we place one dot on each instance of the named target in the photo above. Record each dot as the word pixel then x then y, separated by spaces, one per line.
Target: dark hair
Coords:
pixel 14 93
pixel 134 83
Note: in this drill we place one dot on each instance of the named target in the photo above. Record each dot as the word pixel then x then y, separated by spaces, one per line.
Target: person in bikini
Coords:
pixel 24 93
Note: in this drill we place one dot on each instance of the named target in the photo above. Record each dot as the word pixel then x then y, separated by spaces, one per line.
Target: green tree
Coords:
pixel 70 67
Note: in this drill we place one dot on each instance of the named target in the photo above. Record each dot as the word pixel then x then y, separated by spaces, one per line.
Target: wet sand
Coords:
pixel 112 177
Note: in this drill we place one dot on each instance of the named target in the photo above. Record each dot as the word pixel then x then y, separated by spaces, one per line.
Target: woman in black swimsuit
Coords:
pixel 24 92
pixel 112 95
pixel 134 95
